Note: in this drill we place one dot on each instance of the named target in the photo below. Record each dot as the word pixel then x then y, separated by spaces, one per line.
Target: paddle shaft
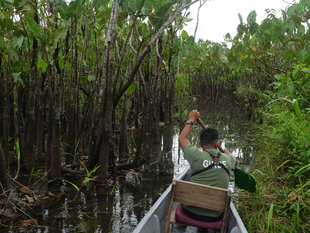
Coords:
pixel 200 122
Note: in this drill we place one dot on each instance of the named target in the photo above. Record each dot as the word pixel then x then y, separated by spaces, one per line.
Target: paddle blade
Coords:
pixel 244 180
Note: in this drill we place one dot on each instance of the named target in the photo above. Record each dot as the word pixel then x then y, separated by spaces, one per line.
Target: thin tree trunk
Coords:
pixel 29 140
pixel 4 179
pixel 123 132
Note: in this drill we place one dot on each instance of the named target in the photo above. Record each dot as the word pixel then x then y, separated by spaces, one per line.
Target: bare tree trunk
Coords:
pixel 29 139
pixel 55 161
pixel 105 97
pixel 123 131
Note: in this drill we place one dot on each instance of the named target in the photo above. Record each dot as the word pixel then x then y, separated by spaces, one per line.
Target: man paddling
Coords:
pixel 209 166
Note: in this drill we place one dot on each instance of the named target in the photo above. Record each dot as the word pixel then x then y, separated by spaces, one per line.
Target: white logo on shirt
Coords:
pixel 206 163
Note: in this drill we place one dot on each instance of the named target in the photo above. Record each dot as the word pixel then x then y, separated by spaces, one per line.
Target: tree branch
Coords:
pixel 147 48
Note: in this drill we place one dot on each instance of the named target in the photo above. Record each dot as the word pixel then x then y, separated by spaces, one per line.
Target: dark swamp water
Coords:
pixel 120 206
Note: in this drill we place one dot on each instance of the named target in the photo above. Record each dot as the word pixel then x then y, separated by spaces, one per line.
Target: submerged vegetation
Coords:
pixel 83 84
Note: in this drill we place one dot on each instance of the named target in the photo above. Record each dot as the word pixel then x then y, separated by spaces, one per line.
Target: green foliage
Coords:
pixel 283 142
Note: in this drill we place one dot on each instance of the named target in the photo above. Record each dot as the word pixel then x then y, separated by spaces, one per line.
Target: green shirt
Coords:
pixel 216 176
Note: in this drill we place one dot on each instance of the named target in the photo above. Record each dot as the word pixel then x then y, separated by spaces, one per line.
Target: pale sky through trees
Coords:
pixel 218 17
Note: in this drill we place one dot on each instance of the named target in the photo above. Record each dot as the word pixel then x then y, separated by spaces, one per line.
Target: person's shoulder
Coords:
pixel 190 148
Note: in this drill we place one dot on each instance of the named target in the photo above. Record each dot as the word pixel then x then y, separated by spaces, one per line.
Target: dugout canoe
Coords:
pixel 155 219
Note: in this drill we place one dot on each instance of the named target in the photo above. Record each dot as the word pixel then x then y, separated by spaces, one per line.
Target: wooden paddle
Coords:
pixel 243 180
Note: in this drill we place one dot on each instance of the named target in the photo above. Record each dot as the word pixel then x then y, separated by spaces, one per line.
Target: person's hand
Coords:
pixel 193 115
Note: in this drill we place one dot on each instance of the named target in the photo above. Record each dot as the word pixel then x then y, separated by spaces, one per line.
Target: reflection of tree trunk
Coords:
pixel 4 179
pixel 105 205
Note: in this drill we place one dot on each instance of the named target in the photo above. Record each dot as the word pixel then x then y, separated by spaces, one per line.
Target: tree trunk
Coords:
pixel 123 132
pixel 4 179
pixel 55 160
pixel 29 140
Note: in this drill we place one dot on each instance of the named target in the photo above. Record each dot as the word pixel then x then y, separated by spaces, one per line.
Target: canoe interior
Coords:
pixel 154 221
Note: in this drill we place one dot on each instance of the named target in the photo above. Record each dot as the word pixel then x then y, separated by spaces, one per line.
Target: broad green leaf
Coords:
pixel 289 26
pixel 303 55
pixel 240 18
pixel 149 4
pixel 301 30
pixel 139 4
pixel 184 35
pixel 279 76
pixel 61 33
pixel 16 66
pixel 162 14
pixel 62 8
pixel 16 43
pixel 17 78
pixel 132 6
pixel 75 9
pixel 91 78
pixel 61 61
pixel 251 17
pixel 41 65
pixel 19 41
pixel 68 66
pixel 253 28
pixel 33 26
pixel 131 89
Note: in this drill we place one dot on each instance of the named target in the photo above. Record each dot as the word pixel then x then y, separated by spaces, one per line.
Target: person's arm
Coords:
pixel 236 160
pixel 183 138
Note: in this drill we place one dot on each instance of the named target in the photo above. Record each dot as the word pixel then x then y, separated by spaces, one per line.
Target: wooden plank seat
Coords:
pixel 199 195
